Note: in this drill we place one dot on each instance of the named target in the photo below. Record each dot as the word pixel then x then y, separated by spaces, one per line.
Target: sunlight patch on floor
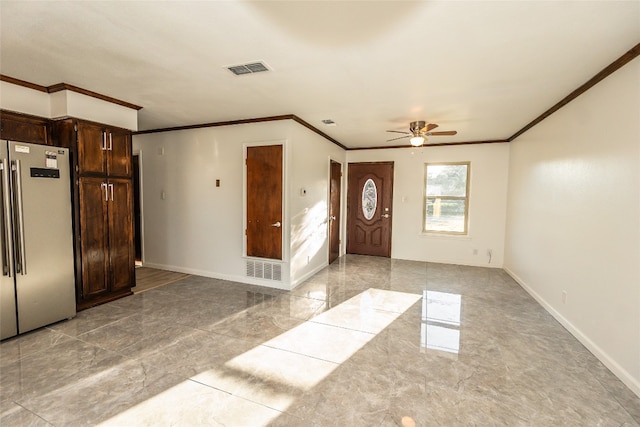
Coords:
pixel 267 379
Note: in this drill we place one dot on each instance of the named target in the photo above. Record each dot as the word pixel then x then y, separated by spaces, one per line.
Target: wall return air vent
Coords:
pixel 254 67
pixel 264 270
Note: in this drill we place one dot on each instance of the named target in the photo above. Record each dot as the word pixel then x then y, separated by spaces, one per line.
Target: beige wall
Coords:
pixel 574 219
pixel 198 228
pixel 487 203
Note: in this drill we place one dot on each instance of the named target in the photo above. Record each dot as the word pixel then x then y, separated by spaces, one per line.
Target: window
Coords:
pixel 446 207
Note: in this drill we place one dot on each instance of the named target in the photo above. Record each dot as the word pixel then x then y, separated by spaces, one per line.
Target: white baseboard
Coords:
pixel 241 279
pixel 603 356
pixel 307 275
pixel 452 262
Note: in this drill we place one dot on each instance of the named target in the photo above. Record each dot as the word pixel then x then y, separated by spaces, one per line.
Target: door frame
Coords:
pixel 285 195
pixel 139 197
pixel 341 218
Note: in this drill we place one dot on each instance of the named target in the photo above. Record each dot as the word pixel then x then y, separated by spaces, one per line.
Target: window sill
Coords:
pixel 440 236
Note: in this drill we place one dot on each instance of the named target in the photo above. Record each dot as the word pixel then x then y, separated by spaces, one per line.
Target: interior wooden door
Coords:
pixel 335 181
pixel 370 197
pixel 121 248
pixel 94 235
pixel 264 201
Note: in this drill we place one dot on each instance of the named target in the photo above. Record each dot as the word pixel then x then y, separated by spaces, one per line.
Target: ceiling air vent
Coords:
pixel 254 67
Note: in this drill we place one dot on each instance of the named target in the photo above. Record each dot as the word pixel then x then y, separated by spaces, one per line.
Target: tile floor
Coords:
pixel 365 342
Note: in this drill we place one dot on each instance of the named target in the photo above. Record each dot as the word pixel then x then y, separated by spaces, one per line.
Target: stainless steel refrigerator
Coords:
pixel 36 237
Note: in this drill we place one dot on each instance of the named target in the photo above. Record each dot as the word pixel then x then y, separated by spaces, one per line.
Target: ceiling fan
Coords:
pixel 418 131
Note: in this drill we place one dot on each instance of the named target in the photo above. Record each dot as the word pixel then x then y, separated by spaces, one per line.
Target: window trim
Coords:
pixel 465 232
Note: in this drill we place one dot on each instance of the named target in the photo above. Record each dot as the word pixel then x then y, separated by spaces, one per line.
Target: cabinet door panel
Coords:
pixel 121 247
pixel 91 153
pixel 94 236
pixel 24 129
pixel 119 157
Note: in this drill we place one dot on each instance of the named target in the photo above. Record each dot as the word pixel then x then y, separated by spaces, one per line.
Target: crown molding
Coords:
pixel 65 86
pixel 607 71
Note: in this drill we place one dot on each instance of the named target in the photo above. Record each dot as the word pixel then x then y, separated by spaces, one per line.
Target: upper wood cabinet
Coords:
pixel 24 128
pixel 103 150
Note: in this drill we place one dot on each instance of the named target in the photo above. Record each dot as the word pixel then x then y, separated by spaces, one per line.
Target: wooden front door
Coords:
pixel 264 201
pixel 370 197
pixel 334 210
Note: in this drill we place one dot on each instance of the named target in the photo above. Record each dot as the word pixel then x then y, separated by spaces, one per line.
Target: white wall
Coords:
pixel 24 100
pixel 487 203
pixel 574 219
pixel 65 104
pixel 199 228
pixel 308 168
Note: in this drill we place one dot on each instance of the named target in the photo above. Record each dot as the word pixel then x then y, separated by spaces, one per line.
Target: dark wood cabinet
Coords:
pixel 102 194
pixel 121 247
pixel 103 151
pixel 94 242
pixel 106 241
pixel 24 128
pixel 103 202
pixel 119 159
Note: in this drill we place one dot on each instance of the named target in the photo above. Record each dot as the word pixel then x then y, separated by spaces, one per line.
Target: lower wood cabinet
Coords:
pixel 107 255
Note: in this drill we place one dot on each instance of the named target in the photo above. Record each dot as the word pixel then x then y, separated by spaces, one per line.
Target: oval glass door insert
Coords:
pixel 369 199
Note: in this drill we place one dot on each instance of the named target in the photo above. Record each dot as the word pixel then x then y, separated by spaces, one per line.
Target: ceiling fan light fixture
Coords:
pixel 417 141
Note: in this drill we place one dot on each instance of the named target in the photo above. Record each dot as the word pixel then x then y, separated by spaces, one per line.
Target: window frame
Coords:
pixel 466 198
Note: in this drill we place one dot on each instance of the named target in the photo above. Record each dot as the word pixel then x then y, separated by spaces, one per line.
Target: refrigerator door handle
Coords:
pixel 110 141
pixel 111 190
pixel 4 227
pixel 104 140
pixel 21 261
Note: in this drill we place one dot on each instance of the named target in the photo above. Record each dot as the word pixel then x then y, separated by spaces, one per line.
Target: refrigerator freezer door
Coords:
pixel 45 283
pixel 8 319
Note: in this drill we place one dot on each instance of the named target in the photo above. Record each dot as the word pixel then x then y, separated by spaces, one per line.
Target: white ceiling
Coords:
pixel 483 68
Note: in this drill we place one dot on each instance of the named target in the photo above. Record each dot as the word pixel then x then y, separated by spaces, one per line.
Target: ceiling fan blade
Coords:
pixel 400 137
pixel 399 131
pixel 444 132
pixel 430 126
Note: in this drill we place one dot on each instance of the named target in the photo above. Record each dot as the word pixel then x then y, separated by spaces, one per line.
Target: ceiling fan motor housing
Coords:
pixel 416 127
